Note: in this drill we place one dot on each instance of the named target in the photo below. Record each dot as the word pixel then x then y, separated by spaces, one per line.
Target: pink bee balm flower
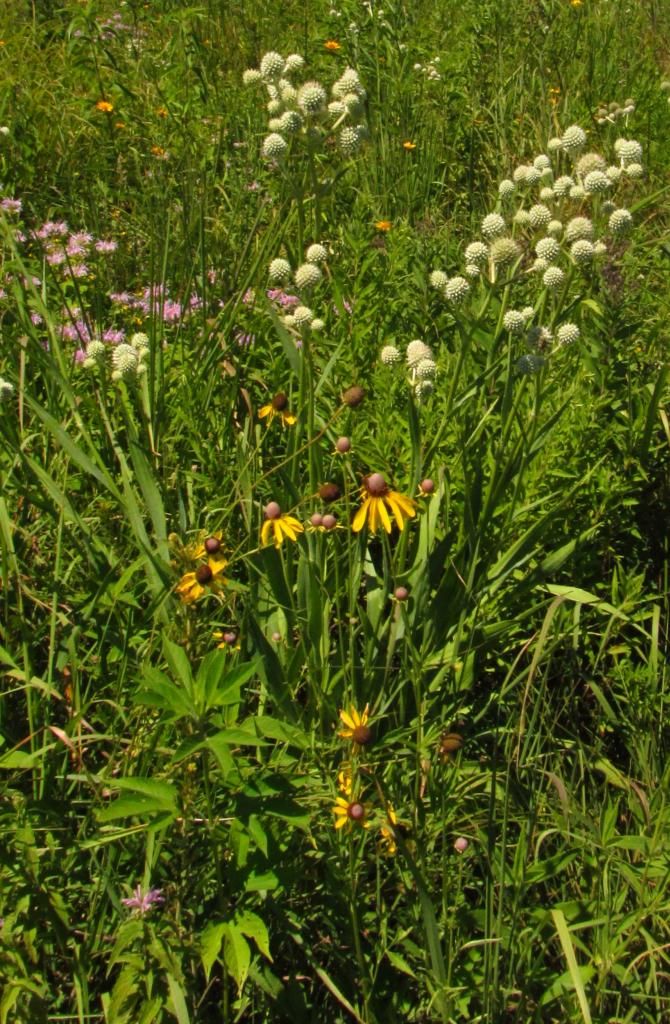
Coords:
pixel 143 902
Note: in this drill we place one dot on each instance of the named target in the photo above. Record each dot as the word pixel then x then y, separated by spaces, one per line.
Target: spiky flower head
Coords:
pixel 274 124
pixel 279 271
pixel 533 176
pixel 294 62
pixel 503 251
pixel 288 95
pixel 423 389
pixel 389 355
pixel 522 218
pixel 582 251
pixel 274 107
pixel 542 162
pixel 578 227
pixel 312 98
pixel 493 226
pixel 634 170
pixel 506 188
pixel 595 182
pixel 352 103
pixel 547 249
pixel 416 351
pixel 573 138
pixel 540 215
pixel 528 313
pixel 553 277
pixel 567 334
pixel 589 162
pixel 519 173
pixel 302 316
pixel 530 363
pixel 613 173
pixel 125 362
pixel 140 342
pixel 251 76
pixel 607 207
pixel 426 369
pixel 316 253
pixel 472 270
pixel 318 324
pixel 438 280
pixel 349 140
pixel 554 144
pixel 95 354
pixel 290 122
pixel 274 146
pixel 539 266
pixel 514 321
pixel 577 192
pixel 628 150
pixel 349 81
pixel 599 248
pixel 272 66
pixel 456 289
pixel 547 194
pixel 477 253
pixel 307 276
pixel 620 221
pixel 555 228
pixel 562 185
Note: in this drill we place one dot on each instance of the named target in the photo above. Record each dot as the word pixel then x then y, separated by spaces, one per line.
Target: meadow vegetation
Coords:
pixel 334 563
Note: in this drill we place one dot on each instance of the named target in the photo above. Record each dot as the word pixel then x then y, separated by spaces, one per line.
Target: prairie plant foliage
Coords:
pixel 334 567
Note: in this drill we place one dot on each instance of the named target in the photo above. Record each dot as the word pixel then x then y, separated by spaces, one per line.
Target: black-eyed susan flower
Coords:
pixel 278 407
pixel 206 577
pixel 227 639
pixel 279 527
pixel 210 545
pixel 349 812
pixel 356 726
pixel 378 500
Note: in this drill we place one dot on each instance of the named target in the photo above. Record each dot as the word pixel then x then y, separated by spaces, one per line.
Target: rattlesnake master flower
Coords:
pixel 390 355
pixel 307 276
pixel 595 182
pixel 539 266
pixel 272 66
pixel 614 173
pixel 628 150
pixel 348 82
pixel 547 249
pixel 378 500
pixel 294 62
pixel 316 253
pixel 578 227
pixel 95 354
pixel 493 226
pixel 514 321
pixel 279 271
pixel 349 140
pixel 562 185
pixel 599 248
pixel 533 176
pixel 554 144
pixel 356 726
pixel 553 277
pixel 317 324
pixel 472 270
pixel 567 334
pixel 506 188
pixel 206 577
pixel 290 122
pixel 522 218
pixel 477 253
pixel 278 407
pixel 416 351
pixel 539 338
pixel 312 98
pixel 539 215
pixel 542 162
pixel 555 228
pixel 251 76
pixel 423 389
pixel 620 221
pixel 6 390
pixel 589 162
pixel 278 527
pixel 426 369
pixel 582 251
pixel 573 138
pixel 519 173
pixel 547 194
pixel 503 251
pixel 438 279
pixel 274 146
pixel 127 362
pixel 302 316
pixel 456 289
pixel 528 313
pixel 530 363
pixel 634 170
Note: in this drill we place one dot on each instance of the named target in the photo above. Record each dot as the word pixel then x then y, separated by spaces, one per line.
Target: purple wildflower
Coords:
pixel 143 902
pixel 113 337
pixel 79 270
pixel 106 245
pixel 11 205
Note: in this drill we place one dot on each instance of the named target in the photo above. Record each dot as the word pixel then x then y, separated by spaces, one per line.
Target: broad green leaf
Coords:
pixel 210 945
pixel 236 954
pixel 253 927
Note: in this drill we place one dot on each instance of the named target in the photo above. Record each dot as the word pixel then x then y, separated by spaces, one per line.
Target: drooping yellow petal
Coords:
pixel 288 419
pixel 384 516
pixel 372 518
pixel 341 822
pixel 266 530
pixel 360 517
pixel 266 410
pixel 348 719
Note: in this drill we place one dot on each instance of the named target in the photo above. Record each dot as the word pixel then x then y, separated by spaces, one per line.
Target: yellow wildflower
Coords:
pixel 278 407
pixel 332 45
pixel 105 106
pixel 194 584
pixel 378 500
pixel 383 225
pixel 349 812
pixel 409 145
pixel 279 527
pixel 356 726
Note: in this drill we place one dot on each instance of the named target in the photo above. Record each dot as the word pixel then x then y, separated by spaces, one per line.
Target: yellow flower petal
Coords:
pixel 360 517
pixel 266 530
pixel 384 516
pixel 348 719
pixel 266 410
pixel 288 419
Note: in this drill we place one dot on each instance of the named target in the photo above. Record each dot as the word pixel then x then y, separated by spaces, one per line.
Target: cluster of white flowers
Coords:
pixel 304 111
pixel 615 111
pixel 420 363
pixel 128 360
pixel 430 70
pixel 305 277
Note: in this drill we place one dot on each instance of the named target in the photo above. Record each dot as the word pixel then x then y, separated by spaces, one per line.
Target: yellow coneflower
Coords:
pixel 332 45
pixel 378 500
pixel 206 577
pixel 228 639
pixel 279 527
pixel 278 407
pixel 105 106
pixel 356 726
pixel 349 812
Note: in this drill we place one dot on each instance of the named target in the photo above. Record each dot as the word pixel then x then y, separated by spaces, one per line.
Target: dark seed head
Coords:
pixel 450 742
pixel 353 396
pixel 229 637
pixel 401 593
pixel 272 511
pixel 203 574
pixel 317 519
pixel 376 485
pixel 279 402
pixel 356 811
pixel 329 492
pixel 343 445
pixel 329 521
pixel 427 486
pixel 362 735
pixel 212 545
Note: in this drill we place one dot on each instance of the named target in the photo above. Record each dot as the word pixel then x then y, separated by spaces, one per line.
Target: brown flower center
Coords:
pixel 279 402
pixel 376 485
pixel 362 735
pixel 204 575
pixel 356 811
pixel 353 396
pixel 212 545
pixel 329 492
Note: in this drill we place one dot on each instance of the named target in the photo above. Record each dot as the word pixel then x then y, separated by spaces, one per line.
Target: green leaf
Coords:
pixel 571 959
pixel 178 1001
pixel 236 954
pixel 254 928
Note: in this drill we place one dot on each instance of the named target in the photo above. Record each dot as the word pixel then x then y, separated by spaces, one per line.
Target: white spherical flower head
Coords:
pixel 337 108
pixel 553 277
pixel 528 313
pixel 290 122
pixel 533 176
pixel 349 140
pixel 289 320
pixel 562 185
pixel 456 290
pixel 416 351
pixel 589 162
pixel 519 174
pixel 477 253
pixel 390 355
pixel 539 266
pixel 274 146
pixel 555 228
pixel 613 173
pixel 628 150
pixel 95 354
pixel 514 321
pixel 577 192
pixel 503 251
pixel 352 103
pixel 279 271
pixel 274 124
pixel 472 270
pixel 540 215
pixel 124 362
pixel 547 194
pixel 312 98
pixel 307 276
pixel 522 218
pixel 620 222
pixel 349 81
pixel 140 342
pixel 6 390
pixel 596 182
pixel 438 280
pixel 426 369
pixel 318 324
pixel 542 162
pixel 294 62
pixel 573 138
pixel 578 227
pixel 493 226
pixel 599 249
pixel 288 95
pixel 251 76
pixel 582 251
pixel 506 188
pixel 272 66
pixel 423 389
pixel 274 107
pixel 634 170
pixel 608 207
pixel 555 144
pixel 302 316
pixel 567 334
pixel 316 253
pixel 547 249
